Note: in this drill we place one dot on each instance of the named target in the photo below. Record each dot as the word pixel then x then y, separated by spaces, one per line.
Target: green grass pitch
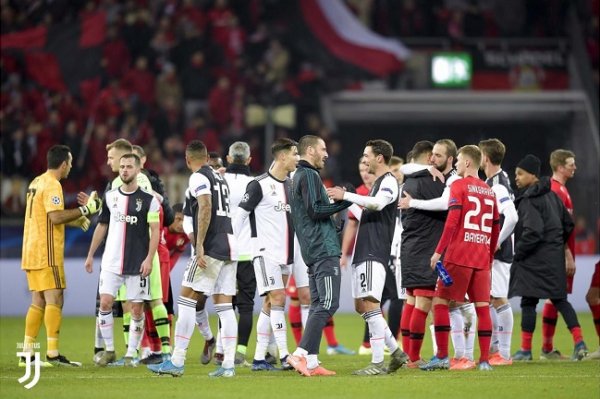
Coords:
pixel 536 379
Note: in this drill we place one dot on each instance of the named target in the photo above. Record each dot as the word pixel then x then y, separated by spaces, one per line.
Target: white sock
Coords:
pixel 184 328
pixel 433 341
pixel 228 331
pixel 219 347
pixel 494 342
pixel 263 334
pixel 390 340
pixel 136 330
pixel 272 347
pixel 376 333
pixel 457 333
pixel 312 362
pixel 505 329
pixel 279 326
pixel 203 324
pixel 470 320
pixel 304 310
pixel 106 321
pixel 98 341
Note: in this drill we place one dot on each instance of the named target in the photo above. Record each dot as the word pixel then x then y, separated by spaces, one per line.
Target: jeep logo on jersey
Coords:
pixel 138 204
pixel 119 217
pixel 282 207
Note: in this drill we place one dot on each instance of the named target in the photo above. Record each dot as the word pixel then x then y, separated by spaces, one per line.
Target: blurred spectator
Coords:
pixel 585 243
pixel 167 86
pixel 115 54
pixel 198 130
pixel 195 82
pixel 139 81
pixel 218 17
pixel 277 59
pixel 220 100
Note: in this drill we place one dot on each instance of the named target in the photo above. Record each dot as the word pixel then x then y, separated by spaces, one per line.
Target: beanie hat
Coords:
pixel 530 164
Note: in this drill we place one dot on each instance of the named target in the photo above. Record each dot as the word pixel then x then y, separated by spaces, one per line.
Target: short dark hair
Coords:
pixel 396 160
pixel 214 155
pixel 131 155
pixel 282 144
pixel 139 149
pixel 178 208
pixel 420 148
pixel 196 150
pixel 381 147
pixel 307 141
pixel 57 154
pixel 409 156
pixel 450 147
pixel 473 152
pixel 494 149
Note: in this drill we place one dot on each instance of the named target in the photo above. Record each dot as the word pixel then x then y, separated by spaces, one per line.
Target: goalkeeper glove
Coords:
pixel 93 205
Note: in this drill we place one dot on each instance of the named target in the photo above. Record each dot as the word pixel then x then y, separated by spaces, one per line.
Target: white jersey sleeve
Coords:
pixel 506 207
pixel 411 168
pixel 199 185
pixel 387 193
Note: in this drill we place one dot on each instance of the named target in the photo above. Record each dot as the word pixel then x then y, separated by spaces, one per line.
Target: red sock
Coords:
pixel 329 332
pixel 295 317
pixel 441 321
pixel 526 338
pixel 417 332
pixel 150 331
pixel 405 326
pixel 596 316
pixel 484 331
pixel 577 336
pixel 549 317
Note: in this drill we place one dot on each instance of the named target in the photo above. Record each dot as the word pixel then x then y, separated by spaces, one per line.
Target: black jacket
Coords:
pixel 421 232
pixel 544 225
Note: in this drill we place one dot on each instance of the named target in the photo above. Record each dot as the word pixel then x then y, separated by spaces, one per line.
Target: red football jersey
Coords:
pixel 472 225
pixel 562 192
pixel 176 243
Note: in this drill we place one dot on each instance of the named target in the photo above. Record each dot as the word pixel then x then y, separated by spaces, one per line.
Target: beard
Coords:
pixel 127 181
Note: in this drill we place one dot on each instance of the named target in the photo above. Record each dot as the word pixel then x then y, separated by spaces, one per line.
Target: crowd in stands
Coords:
pixel 173 70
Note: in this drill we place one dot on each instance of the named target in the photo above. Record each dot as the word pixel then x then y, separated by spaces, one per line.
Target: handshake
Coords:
pixel 92 205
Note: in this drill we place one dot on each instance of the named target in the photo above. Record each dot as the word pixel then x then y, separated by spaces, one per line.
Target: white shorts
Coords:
pixel 398 274
pixel 269 274
pixel 217 278
pixel 300 269
pixel 137 288
pixel 500 279
pixel 368 280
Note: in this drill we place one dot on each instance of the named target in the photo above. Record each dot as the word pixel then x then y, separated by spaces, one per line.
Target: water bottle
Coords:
pixel 443 274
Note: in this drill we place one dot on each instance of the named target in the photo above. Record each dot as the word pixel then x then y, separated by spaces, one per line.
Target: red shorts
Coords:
pixel 428 292
pixel 596 277
pixel 474 282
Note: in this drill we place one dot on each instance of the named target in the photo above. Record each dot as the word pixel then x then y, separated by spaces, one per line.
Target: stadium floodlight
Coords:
pixel 451 69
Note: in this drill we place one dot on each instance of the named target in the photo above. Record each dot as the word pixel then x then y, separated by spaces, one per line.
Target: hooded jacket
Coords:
pixel 544 225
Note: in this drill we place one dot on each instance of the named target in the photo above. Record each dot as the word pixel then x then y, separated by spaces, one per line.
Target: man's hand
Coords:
pixel 82 198
pixel 434 259
pixel 437 175
pixel 146 267
pixel 200 260
pixel 92 205
pixel 404 202
pixel 89 264
pixel 569 263
pixel 336 193
pixel 82 222
pixel 343 261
